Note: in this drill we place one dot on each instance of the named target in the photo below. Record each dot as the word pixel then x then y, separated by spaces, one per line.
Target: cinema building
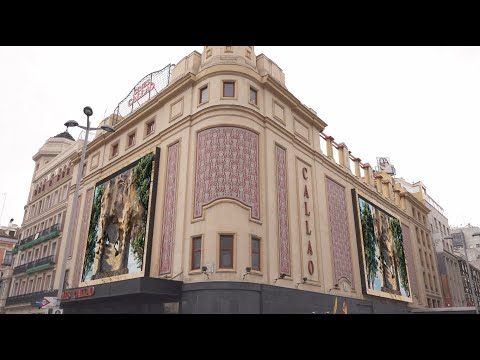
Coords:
pixel 220 192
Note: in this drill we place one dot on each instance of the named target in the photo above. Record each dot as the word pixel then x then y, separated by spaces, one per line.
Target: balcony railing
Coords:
pixel 44 235
pixel 37 265
pixel 30 298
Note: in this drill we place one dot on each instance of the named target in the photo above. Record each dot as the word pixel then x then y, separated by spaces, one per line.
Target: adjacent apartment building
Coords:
pixel 34 258
pixel 8 239
pixel 447 262
pixel 466 242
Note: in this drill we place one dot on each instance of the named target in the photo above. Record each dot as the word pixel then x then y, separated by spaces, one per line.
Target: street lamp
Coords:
pixel 72 123
pixel 472 289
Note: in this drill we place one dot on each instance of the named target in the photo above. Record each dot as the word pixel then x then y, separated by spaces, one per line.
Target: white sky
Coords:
pixel 417 105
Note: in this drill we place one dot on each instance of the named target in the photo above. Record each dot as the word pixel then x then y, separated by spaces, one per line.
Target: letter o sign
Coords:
pixel 311 268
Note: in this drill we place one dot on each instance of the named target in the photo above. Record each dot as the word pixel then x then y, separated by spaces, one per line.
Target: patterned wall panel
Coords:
pixel 83 237
pixel 169 209
pixel 339 234
pixel 283 232
pixel 227 167
pixel 74 233
pixel 410 260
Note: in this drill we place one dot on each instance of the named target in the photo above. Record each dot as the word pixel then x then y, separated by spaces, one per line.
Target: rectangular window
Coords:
pixel 196 252
pixel 114 151
pixel 203 94
pixel 39 284
pixel 255 253
pixel 84 170
pixel 46 286
pixel 228 89
pixel 226 251
pixel 150 127
pixel 253 96
pixel 131 140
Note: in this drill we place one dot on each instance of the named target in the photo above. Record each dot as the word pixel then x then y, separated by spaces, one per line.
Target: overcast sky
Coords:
pixel 420 106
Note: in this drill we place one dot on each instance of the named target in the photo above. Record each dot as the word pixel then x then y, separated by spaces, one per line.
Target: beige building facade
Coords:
pixel 35 257
pixel 8 239
pixel 251 206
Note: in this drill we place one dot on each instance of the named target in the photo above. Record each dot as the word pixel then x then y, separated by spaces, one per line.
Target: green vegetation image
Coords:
pixel 141 179
pixel 383 251
pixel 369 243
pixel 117 231
pixel 396 229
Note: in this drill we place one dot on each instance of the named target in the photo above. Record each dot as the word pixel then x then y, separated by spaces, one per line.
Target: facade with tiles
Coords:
pixel 35 256
pixel 251 207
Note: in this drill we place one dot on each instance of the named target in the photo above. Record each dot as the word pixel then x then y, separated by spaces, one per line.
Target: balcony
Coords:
pixel 7 261
pixel 35 266
pixel 38 238
pixel 30 298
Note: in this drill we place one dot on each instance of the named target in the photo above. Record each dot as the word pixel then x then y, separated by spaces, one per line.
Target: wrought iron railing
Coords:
pixel 39 237
pixel 43 261
pixel 29 298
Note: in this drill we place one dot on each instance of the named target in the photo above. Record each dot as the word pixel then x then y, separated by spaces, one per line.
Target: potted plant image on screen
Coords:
pixel 116 237
pixel 383 251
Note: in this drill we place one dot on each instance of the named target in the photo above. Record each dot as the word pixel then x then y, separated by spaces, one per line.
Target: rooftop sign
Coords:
pixel 145 90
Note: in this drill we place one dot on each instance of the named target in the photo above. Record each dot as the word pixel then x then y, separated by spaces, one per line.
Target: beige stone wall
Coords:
pixel 279 119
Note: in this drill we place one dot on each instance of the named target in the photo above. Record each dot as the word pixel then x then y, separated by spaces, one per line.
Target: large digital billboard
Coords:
pixel 118 222
pixel 382 253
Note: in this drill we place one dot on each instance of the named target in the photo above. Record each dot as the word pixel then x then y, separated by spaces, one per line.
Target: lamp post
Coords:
pixel 472 288
pixel 72 123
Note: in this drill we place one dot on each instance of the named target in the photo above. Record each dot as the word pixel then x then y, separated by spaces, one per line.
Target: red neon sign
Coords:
pixel 141 90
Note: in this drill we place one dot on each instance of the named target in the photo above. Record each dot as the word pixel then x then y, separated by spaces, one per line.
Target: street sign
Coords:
pixel 46 303
pixel 49 302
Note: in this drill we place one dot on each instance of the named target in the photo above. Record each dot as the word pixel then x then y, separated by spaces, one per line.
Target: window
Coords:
pixel 46 286
pixel 253 96
pixel 65 192
pixel 229 89
pixel 131 139
pixel 255 253
pixel 150 127
pixel 196 252
pixel 39 284
pixel 66 284
pixel 114 151
pixel 37 253
pixel 413 211
pixel 203 94
pixel 84 170
pixel 68 170
pixel 45 249
pixel 226 251
pixel 30 286
pixel 54 245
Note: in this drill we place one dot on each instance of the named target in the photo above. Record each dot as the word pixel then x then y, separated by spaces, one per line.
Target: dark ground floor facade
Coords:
pixel 160 296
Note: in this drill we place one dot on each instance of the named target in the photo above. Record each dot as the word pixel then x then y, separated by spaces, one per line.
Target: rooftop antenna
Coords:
pixel 3 206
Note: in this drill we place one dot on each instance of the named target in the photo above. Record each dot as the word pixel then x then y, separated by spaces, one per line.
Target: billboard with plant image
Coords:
pixel 383 254
pixel 118 222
